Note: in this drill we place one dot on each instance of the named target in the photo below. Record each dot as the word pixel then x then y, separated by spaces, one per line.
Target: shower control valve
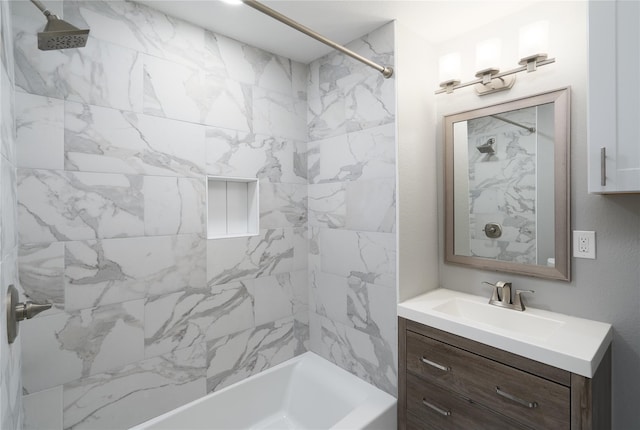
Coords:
pixel 19 311
pixel 493 230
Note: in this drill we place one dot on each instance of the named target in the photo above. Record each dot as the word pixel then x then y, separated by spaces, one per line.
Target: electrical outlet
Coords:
pixel 584 244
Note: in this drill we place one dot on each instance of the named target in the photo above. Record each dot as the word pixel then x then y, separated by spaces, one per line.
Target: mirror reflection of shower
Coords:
pixel 526 127
pixel 504 207
pixel 59 34
pixel 487 147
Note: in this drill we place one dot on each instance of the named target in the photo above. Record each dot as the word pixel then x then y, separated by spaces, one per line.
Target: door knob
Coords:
pixel 18 311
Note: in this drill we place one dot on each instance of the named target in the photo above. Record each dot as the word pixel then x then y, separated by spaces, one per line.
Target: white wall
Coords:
pixel 417 161
pixel 606 289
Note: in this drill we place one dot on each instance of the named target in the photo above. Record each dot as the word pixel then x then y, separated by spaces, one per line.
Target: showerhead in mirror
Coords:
pixel 59 34
pixel 487 147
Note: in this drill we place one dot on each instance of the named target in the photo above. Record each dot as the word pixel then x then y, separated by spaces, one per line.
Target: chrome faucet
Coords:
pixel 506 292
pixel 501 296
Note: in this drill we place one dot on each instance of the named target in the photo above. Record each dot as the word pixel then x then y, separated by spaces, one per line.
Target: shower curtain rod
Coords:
pixel 386 71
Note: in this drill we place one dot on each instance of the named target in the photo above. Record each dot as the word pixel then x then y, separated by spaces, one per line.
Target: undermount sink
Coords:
pixel 563 341
pixel 507 320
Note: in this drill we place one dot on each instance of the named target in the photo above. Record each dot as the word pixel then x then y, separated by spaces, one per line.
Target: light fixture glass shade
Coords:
pixel 449 67
pixel 533 39
pixel 488 54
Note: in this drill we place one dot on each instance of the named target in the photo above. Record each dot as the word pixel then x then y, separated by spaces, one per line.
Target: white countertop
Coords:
pixel 577 345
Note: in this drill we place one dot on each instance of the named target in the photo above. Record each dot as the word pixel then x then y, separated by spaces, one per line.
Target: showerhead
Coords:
pixel 59 34
pixel 487 147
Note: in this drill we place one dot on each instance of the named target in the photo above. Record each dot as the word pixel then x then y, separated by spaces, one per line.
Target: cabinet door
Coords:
pixel 614 96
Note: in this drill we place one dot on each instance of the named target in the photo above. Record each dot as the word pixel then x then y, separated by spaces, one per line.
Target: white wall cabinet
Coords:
pixel 614 97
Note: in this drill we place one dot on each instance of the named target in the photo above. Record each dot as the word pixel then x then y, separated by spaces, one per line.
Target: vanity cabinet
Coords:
pixel 450 382
pixel 614 97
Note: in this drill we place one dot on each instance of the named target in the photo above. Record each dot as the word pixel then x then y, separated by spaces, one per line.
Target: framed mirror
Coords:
pixel 507 186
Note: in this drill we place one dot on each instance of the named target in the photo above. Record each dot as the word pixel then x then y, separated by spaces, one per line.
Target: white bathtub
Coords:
pixel 306 392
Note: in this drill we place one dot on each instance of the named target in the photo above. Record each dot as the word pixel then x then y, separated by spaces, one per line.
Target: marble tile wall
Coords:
pixel 11 415
pixel 502 187
pixel 114 144
pixel 352 206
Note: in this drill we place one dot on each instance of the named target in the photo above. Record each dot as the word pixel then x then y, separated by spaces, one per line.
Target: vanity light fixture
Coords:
pixel 449 66
pixel 487 57
pixel 533 39
pixel 492 80
pixel 533 44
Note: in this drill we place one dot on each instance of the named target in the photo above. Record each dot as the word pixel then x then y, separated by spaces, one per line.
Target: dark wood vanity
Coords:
pixel 450 382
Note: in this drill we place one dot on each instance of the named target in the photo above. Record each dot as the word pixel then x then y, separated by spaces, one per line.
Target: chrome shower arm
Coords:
pixel 386 71
pixel 42 7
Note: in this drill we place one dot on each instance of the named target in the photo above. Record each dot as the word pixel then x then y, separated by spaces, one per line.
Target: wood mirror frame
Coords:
pixel 561 150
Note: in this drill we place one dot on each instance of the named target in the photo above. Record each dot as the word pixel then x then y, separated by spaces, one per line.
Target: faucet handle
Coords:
pixel 495 297
pixel 518 303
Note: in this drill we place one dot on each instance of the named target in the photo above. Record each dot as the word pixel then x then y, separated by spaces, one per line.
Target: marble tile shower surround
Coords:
pixel 115 141
pixel 111 196
pixel 502 187
pixel 11 415
pixel 345 95
pixel 352 204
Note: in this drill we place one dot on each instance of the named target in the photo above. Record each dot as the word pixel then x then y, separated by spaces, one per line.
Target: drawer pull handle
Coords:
pixel 530 405
pixel 435 408
pixel 603 166
pixel 434 364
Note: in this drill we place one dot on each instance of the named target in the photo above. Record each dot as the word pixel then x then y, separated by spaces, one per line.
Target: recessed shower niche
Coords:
pixel 232 207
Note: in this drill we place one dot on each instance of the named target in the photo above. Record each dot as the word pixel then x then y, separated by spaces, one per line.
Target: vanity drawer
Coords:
pixel 430 407
pixel 534 401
